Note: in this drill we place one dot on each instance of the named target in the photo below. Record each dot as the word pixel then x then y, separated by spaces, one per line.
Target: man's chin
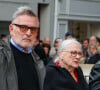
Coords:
pixel 27 46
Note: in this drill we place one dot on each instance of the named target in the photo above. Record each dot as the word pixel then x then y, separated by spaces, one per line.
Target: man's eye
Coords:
pixel 23 27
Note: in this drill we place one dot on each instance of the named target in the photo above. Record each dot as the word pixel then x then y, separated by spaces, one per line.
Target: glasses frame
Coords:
pixel 25 28
pixel 74 53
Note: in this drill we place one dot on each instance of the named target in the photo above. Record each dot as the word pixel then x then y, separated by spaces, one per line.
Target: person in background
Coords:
pixel 68 35
pixel 3 37
pixel 94 78
pixel 65 73
pixel 47 41
pixel 46 48
pixel 85 47
pixel 98 44
pixel 40 42
pixel 84 50
pixel 20 66
pixel 95 40
pixel 40 51
pixel 54 49
pixel 93 56
pixel 92 40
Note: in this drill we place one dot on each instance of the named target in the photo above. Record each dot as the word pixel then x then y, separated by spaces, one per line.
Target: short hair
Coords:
pixel 86 39
pixel 23 10
pixel 68 42
pixel 64 44
pixel 46 45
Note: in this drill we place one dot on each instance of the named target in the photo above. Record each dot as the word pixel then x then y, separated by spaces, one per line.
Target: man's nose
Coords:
pixel 28 31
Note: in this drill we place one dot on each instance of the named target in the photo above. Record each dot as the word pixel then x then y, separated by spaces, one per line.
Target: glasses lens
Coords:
pixel 33 29
pixel 74 53
pixel 79 53
pixel 24 28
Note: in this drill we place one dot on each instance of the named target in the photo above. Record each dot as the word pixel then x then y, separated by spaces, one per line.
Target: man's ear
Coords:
pixel 10 29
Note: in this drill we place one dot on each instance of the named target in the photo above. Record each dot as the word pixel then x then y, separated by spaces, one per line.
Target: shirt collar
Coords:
pixel 20 48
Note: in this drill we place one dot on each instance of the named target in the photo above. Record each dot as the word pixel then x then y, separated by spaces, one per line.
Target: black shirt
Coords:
pixel 26 71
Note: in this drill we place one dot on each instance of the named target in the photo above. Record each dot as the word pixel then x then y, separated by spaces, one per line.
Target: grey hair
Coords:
pixel 23 10
pixel 68 42
pixel 65 44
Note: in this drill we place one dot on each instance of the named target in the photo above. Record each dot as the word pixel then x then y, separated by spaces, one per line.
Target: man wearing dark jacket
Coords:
pixel 20 67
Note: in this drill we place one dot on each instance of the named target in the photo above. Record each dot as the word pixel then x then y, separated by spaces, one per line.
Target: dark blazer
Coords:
pixel 60 79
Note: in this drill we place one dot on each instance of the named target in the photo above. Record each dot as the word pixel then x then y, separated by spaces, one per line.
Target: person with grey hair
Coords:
pixel 20 67
pixel 92 40
pixel 65 73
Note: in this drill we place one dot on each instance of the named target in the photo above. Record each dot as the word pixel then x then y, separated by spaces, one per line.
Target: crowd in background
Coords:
pixel 90 48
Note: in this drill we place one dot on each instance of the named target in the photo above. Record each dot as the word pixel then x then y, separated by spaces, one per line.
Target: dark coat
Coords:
pixel 60 79
pixel 93 59
pixel 41 53
pixel 94 79
pixel 8 73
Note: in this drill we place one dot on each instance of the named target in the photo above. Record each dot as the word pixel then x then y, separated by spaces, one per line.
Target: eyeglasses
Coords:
pixel 56 41
pixel 25 28
pixel 74 53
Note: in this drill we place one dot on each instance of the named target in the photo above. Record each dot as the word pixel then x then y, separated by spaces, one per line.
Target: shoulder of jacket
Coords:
pixel 2 45
pixel 35 55
pixel 97 65
pixel 98 62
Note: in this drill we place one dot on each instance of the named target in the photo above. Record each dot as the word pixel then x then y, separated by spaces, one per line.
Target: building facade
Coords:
pixel 81 17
